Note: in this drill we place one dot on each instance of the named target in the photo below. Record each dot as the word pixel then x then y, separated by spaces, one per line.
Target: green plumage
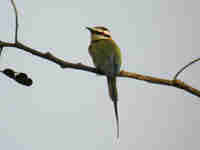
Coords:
pixel 106 56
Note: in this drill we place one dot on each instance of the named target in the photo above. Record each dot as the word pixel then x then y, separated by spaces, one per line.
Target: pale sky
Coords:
pixel 71 109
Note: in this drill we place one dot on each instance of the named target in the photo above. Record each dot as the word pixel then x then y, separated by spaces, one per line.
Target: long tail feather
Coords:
pixel 117 116
pixel 114 96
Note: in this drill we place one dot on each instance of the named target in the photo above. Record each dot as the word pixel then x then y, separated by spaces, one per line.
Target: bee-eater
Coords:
pixel 106 56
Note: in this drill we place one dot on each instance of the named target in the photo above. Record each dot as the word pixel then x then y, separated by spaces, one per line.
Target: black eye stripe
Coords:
pixel 101 33
pixel 106 35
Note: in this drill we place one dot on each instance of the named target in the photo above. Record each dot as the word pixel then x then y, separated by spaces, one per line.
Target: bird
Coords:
pixel 107 58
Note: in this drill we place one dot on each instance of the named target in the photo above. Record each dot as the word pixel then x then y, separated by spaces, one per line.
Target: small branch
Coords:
pixel 173 83
pixel 16 21
pixel 1 49
pixel 186 66
pixel 64 64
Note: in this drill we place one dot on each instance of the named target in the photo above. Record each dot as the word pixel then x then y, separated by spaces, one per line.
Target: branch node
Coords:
pixel 174 82
pixel 48 54
pixel 80 64
pixel 184 67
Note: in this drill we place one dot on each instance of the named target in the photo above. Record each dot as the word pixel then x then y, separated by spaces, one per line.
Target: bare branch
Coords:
pixel 173 83
pixel 186 66
pixel 64 64
pixel 16 21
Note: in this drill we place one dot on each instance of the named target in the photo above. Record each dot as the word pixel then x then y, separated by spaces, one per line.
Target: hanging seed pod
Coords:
pixel 29 82
pixel 21 78
pixel 9 72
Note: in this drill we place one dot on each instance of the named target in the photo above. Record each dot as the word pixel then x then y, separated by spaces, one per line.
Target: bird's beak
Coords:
pixel 89 28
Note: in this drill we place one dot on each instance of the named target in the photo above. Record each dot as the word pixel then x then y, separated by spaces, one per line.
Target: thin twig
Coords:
pixel 16 21
pixel 186 66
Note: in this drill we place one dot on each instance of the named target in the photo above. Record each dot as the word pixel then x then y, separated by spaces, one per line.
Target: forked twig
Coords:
pixel 186 66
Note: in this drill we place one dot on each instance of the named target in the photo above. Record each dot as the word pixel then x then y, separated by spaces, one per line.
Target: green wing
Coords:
pixel 106 56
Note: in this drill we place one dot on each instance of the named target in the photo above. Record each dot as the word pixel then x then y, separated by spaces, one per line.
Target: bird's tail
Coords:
pixel 112 87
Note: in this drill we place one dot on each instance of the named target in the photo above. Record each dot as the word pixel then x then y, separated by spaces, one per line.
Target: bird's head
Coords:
pixel 99 32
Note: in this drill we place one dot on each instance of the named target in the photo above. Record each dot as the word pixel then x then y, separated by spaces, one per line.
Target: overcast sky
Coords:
pixel 70 109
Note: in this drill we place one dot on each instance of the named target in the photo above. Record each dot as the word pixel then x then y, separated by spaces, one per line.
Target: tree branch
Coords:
pixel 64 64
